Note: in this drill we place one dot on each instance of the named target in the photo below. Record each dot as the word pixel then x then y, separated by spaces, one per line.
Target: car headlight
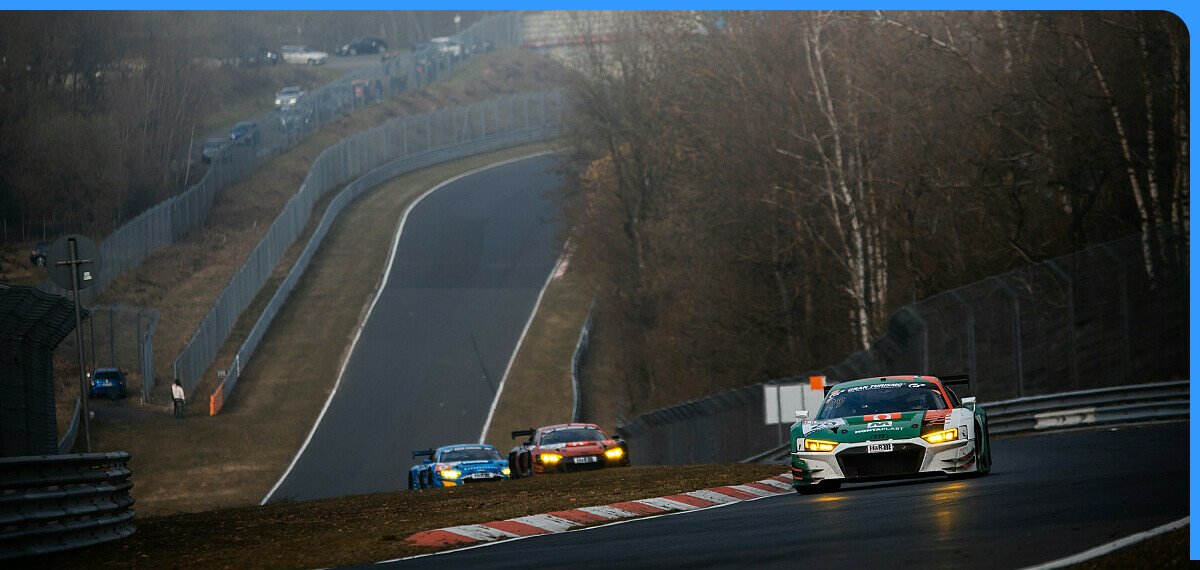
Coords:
pixel 551 458
pixel 819 445
pixel 277 101
pixel 941 436
pixel 506 472
pixel 614 453
pixel 291 101
pixel 450 474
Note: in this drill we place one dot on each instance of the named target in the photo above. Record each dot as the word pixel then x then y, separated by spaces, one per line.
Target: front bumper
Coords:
pixel 470 479
pixel 914 457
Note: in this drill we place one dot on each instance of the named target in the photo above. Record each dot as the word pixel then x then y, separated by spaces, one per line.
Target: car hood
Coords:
pixel 874 427
pixel 574 448
pixel 479 466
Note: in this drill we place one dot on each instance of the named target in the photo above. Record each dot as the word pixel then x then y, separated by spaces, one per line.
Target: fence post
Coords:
pixel 924 337
pixel 1123 301
pixel 1070 321
pixel 1017 359
pixel 954 294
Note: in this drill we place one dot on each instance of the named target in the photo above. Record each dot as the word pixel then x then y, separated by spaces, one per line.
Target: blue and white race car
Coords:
pixel 454 465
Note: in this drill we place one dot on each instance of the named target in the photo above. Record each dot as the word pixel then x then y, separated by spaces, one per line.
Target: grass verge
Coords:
pixel 369 528
pixel 201 463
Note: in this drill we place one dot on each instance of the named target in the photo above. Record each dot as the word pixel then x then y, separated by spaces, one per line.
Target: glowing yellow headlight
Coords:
pixel 818 445
pixel 450 474
pixel 614 453
pixel 551 458
pixel 506 471
pixel 941 436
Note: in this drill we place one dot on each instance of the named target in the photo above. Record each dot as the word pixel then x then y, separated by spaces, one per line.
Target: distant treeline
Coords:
pixel 761 190
pixel 98 109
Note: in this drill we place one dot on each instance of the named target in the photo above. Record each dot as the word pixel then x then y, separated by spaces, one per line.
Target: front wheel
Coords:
pixel 413 485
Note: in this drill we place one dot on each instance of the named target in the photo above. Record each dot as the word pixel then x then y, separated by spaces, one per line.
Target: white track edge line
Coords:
pixel 584 529
pixel 1111 547
pixel 387 274
pixel 520 341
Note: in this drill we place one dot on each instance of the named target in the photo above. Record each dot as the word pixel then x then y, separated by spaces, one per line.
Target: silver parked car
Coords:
pixel 289 98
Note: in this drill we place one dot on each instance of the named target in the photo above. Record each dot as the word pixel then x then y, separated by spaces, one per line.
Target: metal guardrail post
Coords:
pixel 1018 360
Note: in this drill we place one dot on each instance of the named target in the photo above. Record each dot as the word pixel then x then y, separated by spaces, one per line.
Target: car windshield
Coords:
pixel 882 398
pixel 572 435
pixel 471 454
pixel 108 375
pixel 289 91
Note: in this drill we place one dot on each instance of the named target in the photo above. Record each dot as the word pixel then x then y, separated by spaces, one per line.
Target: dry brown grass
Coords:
pixel 369 528
pixel 538 389
pixel 232 459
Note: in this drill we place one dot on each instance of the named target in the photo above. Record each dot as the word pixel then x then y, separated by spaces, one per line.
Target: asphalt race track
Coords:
pixel 471 260
pixel 1049 496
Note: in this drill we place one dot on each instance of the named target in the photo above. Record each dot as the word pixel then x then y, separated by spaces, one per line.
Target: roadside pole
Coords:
pixel 66 270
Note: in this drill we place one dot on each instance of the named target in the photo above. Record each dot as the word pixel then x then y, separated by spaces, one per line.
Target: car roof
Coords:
pixel 878 379
pixel 466 446
pixel 291 88
pixel 557 427
pixel 98 370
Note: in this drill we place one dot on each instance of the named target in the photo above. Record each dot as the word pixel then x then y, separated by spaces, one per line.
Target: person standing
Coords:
pixel 177 396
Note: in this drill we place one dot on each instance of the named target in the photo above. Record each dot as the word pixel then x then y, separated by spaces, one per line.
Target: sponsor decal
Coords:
pixel 875 386
pixel 880 429
pixel 881 417
pixel 833 424
pixel 879 424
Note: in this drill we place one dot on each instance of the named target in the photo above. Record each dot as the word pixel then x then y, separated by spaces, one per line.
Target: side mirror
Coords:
pixel 801 414
pixel 426 461
pixel 968 400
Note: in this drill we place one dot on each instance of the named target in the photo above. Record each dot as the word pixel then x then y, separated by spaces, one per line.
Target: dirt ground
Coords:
pixel 369 528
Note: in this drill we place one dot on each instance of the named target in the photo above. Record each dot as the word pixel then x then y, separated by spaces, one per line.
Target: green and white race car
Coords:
pixel 889 428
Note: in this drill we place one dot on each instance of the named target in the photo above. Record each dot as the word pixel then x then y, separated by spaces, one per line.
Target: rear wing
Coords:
pixel 523 433
pixel 423 453
pixel 956 380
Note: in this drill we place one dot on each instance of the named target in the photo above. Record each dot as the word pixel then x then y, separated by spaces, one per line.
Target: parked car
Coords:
pixel 107 382
pixel 256 57
pixel 454 465
pixel 446 46
pixel 296 119
pixel 566 447
pixel 37 257
pixel 362 45
pixel 303 54
pixel 245 132
pixel 212 149
pixel 289 97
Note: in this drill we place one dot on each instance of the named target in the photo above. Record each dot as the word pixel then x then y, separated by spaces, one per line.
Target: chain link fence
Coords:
pixel 402 144
pixel 171 220
pixel 119 336
pixel 1091 319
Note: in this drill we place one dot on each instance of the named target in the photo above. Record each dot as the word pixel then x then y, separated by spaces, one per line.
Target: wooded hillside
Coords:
pixel 761 190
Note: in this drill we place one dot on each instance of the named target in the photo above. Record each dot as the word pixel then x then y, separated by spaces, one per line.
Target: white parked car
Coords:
pixel 446 46
pixel 303 54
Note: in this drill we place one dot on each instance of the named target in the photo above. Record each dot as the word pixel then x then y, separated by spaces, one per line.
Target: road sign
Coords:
pixel 87 261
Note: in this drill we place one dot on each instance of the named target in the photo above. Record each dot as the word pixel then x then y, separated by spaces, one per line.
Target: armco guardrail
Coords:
pixel 344 198
pixel 1092 319
pixel 1121 405
pixel 60 502
pixel 581 349
pixel 1138 403
pixel 67 442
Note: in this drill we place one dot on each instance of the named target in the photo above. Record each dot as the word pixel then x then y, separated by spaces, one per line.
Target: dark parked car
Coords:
pixel 212 150
pixel 245 132
pixel 108 382
pixel 37 257
pixel 363 45
pixel 258 57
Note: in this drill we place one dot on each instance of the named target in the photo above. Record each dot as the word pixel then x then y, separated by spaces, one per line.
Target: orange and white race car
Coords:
pixel 565 447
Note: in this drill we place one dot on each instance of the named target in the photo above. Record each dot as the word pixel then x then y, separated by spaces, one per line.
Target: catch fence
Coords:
pixel 1092 319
